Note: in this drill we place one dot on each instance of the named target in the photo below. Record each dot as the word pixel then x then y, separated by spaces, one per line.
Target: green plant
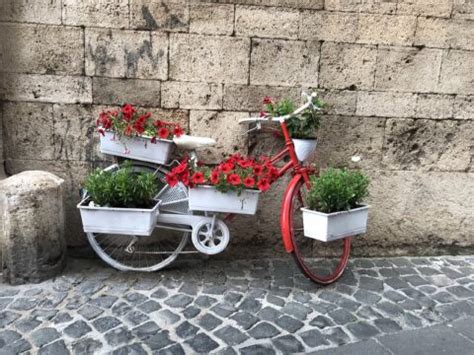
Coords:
pixel 303 126
pixel 337 190
pixel 122 187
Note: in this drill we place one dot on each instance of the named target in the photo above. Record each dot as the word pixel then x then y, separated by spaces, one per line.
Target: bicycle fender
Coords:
pixel 285 214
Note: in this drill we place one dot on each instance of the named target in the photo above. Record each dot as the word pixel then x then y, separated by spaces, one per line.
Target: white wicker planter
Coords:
pixel 304 148
pixel 327 227
pixel 138 148
pixel 207 198
pixel 111 220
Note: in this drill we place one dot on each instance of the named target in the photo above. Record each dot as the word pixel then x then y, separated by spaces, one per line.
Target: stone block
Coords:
pixel 170 15
pixel 40 11
pixel 342 137
pixel 347 66
pixel 442 145
pixel 249 98
pixel 410 218
pixel 32 236
pixel 75 136
pixel 74 174
pixel 224 128
pixel 368 6
pixel 41 49
pixel 177 116
pixel 463 9
pixel 110 14
pixel 442 33
pixel 211 18
pixel 328 26
pixel 434 106
pixel 457 73
pixel 298 4
pixel 46 88
pixel 126 54
pixel 340 102
pixel 408 69
pixel 186 95
pixel 214 59
pixel 435 8
pixel 119 91
pixel 386 29
pixel 273 22
pixel 28 131
pixel 385 104
pixel 464 107
pixel 284 63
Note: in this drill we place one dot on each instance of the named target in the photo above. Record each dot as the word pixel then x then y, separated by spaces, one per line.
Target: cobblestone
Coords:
pixel 259 306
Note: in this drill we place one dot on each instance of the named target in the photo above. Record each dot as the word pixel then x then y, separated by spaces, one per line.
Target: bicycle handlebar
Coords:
pixel 307 105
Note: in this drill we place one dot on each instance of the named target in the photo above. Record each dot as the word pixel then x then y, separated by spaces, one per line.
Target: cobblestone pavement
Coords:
pixel 235 307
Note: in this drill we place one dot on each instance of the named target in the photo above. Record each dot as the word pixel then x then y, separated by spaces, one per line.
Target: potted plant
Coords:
pixel 136 135
pixel 302 128
pixel 335 209
pixel 233 186
pixel 120 201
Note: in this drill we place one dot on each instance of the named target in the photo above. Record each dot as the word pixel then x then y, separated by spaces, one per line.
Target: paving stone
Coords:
pixel 416 280
pixel 135 298
pixel 341 316
pixel 52 301
pixel 86 346
pixel 230 335
pixel 120 309
pixel 394 296
pixel 396 283
pixel 232 297
pixel 387 325
pixel 4 302
pixel 8 337
pixel 44 314
pixel 9 292
pixel 158 341
pixel 205 301
pixel 250 305
pixel 223 309
pixel 263 330
pixel 118 336
pixel 160 293
pixel 366 297
pixel 412 321
pixel 367 312
pixel 191 312
pixel 275 300
pixel 444 297
pixel 146 330
pixel 105 323
pixel 313 338
pixel 245 319
pixel 178 301
pixel 201 343
pixel 348 304
pixel 288 344
pixel 390 308
pixel 269 314
pixel 297 310
pixel 209 322
pixel 103 301
pixel 456 310
pixel 175 349
pixel 258 349
pixel 44 336
pixel 90 312
pixel 288 323
pixel 77 329
pixel 24 304
pixel 321 322
pixel 136 317
pixel 460 291
pixel 149 307
pixel 362 330
pixel 410 305
pixel 56 348
pixel 133 349
pixel 186 330
pixel 165 318
pixel 27 325
pixel 214 290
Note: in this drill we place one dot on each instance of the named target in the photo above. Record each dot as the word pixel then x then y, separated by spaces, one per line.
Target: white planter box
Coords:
pixel 138 148
pixel 304 148
pixel 327 227
pixel 111 220
pixel 207 198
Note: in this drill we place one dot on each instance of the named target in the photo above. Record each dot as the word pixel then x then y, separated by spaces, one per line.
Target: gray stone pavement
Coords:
pixel 380 306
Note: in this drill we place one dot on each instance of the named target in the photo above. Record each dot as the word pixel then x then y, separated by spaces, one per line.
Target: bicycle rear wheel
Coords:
pixel 322 262
pixel 147 253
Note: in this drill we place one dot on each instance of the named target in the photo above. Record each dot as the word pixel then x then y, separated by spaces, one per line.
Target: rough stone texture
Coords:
pixel 347 66
pixel 32 235
pixel 211 59
pixel 205 63
pixel 130 54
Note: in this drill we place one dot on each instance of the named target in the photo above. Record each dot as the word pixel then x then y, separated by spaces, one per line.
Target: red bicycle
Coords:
pixel 322 262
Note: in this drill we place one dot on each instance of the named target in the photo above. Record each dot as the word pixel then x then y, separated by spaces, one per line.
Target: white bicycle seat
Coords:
pixel 192 142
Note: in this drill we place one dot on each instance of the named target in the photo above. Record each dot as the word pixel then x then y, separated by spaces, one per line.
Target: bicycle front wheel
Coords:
pixel 322 262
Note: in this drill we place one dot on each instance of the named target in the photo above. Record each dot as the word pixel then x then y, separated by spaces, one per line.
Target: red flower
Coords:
pixel 257 170
pixel 163 133
pixel 263 114
pixel 185 178
pixel 267 100
pixel 245 163
pixel 227 167
pixel 249 182
pixel 263 184
pixel 273 173
pixel 198 178
pixel 143 118
pixel 128 130
pixel 158 124
pixel 180 168
pixel 128 111
pixel 178 131
pixel 101 131
pixel 171 179
pixel 139 127
pixel 233 179
pixel 215 175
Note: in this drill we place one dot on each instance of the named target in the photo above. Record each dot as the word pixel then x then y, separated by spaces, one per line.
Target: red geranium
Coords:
pixel 257 170
pixel 128 111
pixel 227 167
pixel 198 178
pixel 163 133
pixel 267 100
pixel 178 131
pixel 263 184
pixel 128 130
pixel 215 175
pixel 171 179
pixel 233 179
pixel 249 182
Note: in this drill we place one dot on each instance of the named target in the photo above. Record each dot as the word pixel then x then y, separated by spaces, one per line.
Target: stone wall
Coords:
pixel 398 74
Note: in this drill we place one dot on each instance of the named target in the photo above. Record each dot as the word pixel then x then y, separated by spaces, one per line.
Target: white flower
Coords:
pixel 356 158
